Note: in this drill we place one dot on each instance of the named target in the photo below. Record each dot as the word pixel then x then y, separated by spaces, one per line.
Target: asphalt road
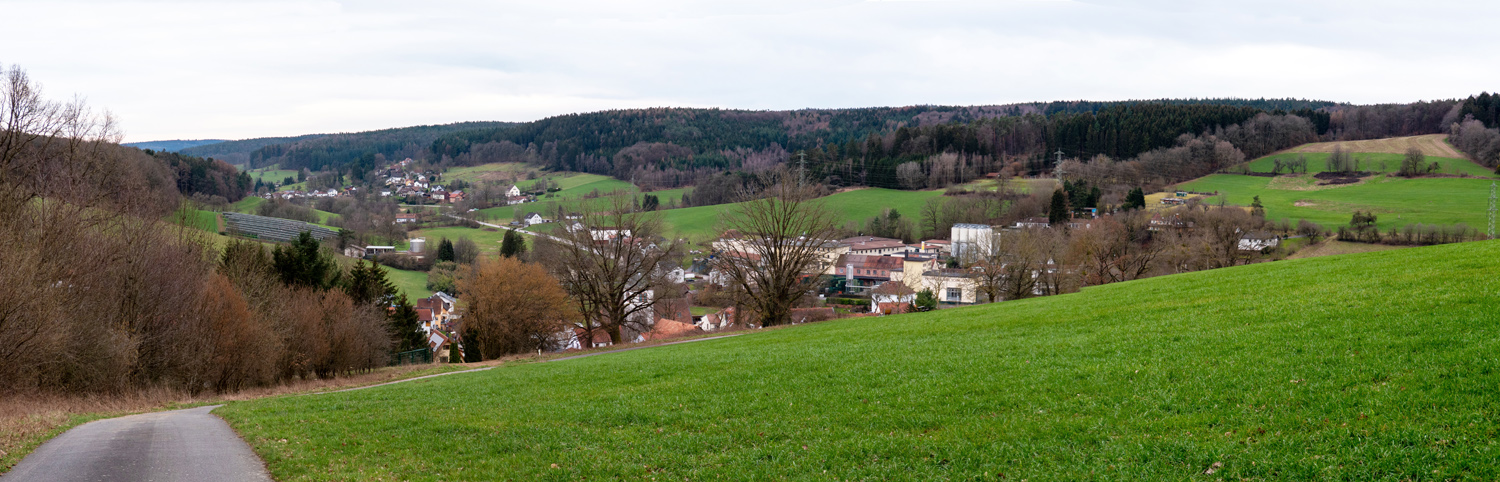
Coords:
pixel 180 445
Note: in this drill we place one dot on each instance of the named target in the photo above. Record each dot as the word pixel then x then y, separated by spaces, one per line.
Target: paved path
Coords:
pixel 179 445
pixel 401 381
pixel 640 347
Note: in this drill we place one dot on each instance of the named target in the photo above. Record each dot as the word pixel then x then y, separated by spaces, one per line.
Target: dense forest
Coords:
pixel 206 177
pixel 897 147
pixel 319 152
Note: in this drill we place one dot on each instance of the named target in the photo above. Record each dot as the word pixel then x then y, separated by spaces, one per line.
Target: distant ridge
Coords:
pixel 172 145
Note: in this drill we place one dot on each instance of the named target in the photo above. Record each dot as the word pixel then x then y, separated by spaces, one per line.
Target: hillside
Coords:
pixel 1457 193
pixel 171 146
pixel 1432 145
pixel 319 151
pixel 1376 366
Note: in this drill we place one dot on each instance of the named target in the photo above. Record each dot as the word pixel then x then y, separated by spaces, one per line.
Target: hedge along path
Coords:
pixel 1431 144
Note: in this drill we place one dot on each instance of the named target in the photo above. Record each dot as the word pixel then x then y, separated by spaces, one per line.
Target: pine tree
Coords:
pixel 445 250
pixel 367 283
pixel 303 263
pixel 1256 209
pixel 1057 214
pixel 512 245
pixel 406 326
pixel 1136 199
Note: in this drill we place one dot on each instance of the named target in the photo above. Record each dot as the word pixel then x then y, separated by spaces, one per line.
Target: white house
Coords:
pixel 891 297
pixel 1259 241
pixel 513 191
pixel 533 219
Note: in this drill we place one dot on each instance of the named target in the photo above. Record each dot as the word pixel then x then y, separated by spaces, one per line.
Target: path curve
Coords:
pixel 178 445
pixel 639 347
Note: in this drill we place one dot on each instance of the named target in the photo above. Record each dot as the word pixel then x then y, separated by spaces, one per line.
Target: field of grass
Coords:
pixel 1377 366
pixel 702 222
pixel 412 283
pixel 488 241
pixel 1375 162
pixel 199 219
pixel 273 175
pixel 1397 201
pixel 1431 145
pixel 1332 247
pixel 247 205
pixel 494 172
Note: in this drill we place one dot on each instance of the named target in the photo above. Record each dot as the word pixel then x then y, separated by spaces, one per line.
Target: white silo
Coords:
pixel 418 244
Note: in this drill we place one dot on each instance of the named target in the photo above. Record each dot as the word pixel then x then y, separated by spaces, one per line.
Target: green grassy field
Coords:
pixel 701 223
pixel 248 204
pixel 273 175
pixel 1376 162
pixel 488 241
pixel 1378 366
pixel 493 172
pixel 197 218
pixel 1397 201
pixel 412 283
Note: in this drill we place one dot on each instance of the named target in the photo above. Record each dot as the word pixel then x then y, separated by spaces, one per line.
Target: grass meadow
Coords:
pixel 1376 366
pixel 411 283
pixel 702 222
pixel 1396 201
pixel 1375 162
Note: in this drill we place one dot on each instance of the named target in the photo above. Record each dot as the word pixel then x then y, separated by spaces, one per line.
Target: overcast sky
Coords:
pixel 241 69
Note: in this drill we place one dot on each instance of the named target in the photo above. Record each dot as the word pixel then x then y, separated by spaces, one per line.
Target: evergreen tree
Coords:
pixel 1256 209
pixel 650 202
pixel 303 263
pixel 367 283
pixel 1136 199
pixel 445 250
pixel 1057 213
pixel 926 300
pixel 406 326
pixel 512 245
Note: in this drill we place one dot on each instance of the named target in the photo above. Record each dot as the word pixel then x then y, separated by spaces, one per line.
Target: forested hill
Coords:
pixel 666 147
pixel 323 151
pixel 173 145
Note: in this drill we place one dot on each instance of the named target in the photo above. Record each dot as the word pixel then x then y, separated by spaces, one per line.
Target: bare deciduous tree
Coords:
pixel 782 242
pixel 611 261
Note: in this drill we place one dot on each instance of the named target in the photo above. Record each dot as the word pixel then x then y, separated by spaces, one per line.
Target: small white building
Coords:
pixel 513 191
pixel 533 219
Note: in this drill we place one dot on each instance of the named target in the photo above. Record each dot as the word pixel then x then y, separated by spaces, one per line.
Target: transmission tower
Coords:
pixel 801 169
pixel 1492 209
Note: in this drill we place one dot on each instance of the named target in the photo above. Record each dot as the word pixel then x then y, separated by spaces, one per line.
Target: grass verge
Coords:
pixel 1356 367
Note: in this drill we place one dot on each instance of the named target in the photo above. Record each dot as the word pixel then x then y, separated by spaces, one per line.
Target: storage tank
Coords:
pixel 418 244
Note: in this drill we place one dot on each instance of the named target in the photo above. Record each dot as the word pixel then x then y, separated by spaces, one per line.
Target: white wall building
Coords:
pixel 971 241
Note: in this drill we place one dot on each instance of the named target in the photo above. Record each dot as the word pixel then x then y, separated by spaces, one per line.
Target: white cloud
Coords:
pixel 237 69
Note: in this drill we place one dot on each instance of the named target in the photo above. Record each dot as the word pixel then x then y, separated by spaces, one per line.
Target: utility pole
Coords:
pixel 1059 155
pixel 1492 209
pixel 802 170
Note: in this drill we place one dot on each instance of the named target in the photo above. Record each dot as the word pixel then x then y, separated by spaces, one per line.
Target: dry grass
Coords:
pixel 1330 247
pixel 1432 145
pixel 27 420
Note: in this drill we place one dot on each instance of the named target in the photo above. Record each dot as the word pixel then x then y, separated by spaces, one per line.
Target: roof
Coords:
pixel 947 273
pixel 874 243
pixel 669 328
pixel 871 261
pixel 424 314
pixel 972 226
pixel 893 288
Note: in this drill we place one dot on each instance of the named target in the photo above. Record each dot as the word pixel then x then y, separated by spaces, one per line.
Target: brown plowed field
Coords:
pixel 1432 145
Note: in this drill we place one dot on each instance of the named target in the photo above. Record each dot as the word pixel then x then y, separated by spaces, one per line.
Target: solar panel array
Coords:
pixel 273 229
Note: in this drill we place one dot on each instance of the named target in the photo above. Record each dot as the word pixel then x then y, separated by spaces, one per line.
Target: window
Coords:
pixel 955 294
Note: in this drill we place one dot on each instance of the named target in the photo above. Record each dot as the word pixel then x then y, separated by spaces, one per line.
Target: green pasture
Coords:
pixel 488 241
pixel 1397 201
pixel 1376 366
pixel 701 223
pixel 477 174
pixel 273 175
pixel 1374 162
pixel 412 283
